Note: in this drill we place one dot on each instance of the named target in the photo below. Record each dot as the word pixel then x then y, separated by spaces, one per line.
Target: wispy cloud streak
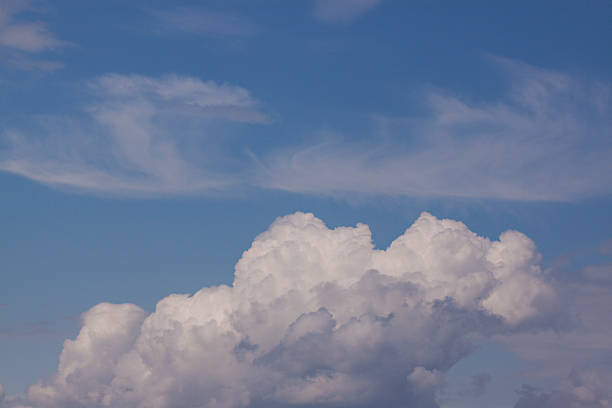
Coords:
pixel 342 11
pixel 134 137
pixel 199 21
pixel 548 138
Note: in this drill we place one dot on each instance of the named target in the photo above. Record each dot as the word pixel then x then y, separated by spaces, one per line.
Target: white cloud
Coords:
pixel 548 138
pixel 29 37
pixel 424 379
pixel 19 37
pixel 315 316
pixel 136 136
pixel 342 11
pixel 571 367
pixel 477 385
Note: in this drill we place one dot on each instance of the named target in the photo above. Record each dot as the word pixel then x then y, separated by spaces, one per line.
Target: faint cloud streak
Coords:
pixel 136 135
pixel 199 21
pixel 342 11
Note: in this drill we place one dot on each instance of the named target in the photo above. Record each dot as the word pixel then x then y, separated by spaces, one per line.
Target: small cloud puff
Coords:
pixel 21 37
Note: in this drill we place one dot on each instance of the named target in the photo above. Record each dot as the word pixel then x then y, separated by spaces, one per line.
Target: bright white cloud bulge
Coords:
pixel 315 317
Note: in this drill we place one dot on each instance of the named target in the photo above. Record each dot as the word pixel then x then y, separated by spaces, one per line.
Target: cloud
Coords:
pixel 203 22
pixel 601 273
pixel 583 389
pixel 342 11
pixel 20 38
pixel 547 138
pixel 571 368
pixel 136 135
pixel 28 37
pixel 474 388
pixel 315 317
pixel 423 379
pixel 606 247
pixel 478 384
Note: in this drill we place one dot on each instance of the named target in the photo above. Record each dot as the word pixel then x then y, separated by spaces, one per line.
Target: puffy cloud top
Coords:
pixel 314 316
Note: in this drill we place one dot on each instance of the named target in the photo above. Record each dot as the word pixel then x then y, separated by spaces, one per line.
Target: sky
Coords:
pixel 315 203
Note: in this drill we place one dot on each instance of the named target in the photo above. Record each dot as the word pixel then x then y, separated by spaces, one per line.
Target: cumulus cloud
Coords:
pixel 423 379
pixel 547 138
pixel 570 368
pixel 20 37
pixel 342 11
pixel 137 135
pixel 315 317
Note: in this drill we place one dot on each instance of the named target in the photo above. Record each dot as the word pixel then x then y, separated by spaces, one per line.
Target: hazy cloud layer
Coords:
pixel 136 136
pixel 548 138
pixel 342 11
pixel 315 316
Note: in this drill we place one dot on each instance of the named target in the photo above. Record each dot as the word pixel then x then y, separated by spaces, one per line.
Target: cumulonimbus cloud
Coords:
pixel 315 317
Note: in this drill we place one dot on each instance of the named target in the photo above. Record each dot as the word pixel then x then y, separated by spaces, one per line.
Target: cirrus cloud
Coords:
pixel 134 137
pixel 547 138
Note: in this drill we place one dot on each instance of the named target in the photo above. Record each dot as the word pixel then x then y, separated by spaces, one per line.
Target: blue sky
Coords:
pixel 144 146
